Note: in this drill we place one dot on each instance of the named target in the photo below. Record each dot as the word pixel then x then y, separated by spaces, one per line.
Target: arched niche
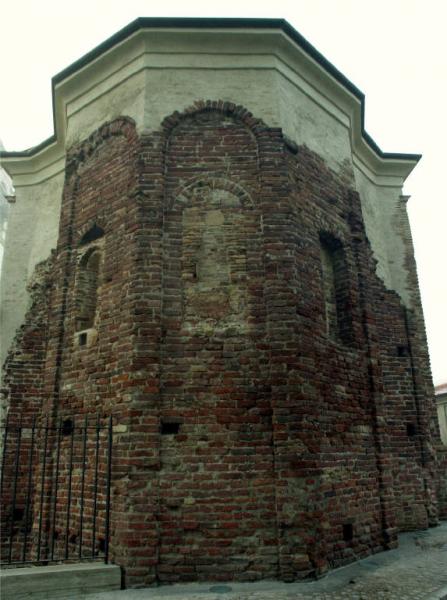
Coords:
pixel 336 289
pixel 88 280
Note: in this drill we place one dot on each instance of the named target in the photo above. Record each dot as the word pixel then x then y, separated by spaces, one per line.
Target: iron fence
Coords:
pixel 55 491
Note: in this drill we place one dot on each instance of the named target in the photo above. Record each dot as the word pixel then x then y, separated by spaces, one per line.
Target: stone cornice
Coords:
pixel 261 44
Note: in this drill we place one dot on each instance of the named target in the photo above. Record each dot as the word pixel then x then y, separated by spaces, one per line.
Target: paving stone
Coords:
pixel 407 573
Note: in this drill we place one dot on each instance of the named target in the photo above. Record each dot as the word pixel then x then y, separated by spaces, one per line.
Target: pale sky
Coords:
pixel 395 51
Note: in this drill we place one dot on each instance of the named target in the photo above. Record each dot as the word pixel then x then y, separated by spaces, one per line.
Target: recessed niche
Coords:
pixel 168 428
pixel 67 427
pixel 88 282
pixel 402 351
pixel 348 532
pixel 18 514
pixel 411 430
pixel 335 289
pixel 85 338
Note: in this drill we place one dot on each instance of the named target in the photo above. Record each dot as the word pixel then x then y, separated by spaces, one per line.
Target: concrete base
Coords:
pixel 58 581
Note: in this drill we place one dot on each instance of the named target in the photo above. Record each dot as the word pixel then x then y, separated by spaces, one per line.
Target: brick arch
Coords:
pixel 222 174
pixel 212 182
pixel 229 109
pixel 80 153
pixel 98 220
pixel 331 229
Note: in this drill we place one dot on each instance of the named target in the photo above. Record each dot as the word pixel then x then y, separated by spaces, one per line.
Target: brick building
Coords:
pixel 212 251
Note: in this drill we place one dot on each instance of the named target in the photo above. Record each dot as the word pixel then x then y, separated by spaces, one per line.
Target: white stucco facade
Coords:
pixel 154 71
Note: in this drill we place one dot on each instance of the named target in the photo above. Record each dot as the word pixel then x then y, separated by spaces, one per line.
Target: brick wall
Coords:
pixel 22 395
pixel 253 437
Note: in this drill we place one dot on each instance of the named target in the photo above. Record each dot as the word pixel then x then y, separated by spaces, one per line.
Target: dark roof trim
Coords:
pixel 30 151
pixel 199 23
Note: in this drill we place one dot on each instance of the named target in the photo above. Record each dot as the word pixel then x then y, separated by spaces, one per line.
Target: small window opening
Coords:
pixel 82 339
pixel 18 514
pixel 402 351
pixel 67 427
pixel 56 535
pixel 348 532
pixel 102 545
pixel 411 430
pixel 170 428
pixel 91 235
pixel 73 539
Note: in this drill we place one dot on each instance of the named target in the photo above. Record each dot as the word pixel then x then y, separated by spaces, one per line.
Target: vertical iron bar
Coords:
pixel 42 488
pixel 56 485
pixel 95 488
pixel 109 477
pixel 28 492
pixel 5 446
pixel 81 516
pixel 67 527
pixel 14 488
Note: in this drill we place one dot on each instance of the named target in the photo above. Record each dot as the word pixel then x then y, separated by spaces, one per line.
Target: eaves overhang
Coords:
pixel 399 163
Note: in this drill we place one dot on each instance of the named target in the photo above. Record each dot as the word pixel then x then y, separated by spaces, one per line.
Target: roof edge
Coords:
pixel 211 23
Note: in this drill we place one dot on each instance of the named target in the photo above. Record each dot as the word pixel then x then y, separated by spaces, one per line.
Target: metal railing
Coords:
pixel 55 491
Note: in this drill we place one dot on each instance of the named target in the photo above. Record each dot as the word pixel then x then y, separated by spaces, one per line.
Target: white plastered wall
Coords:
pixel 306 121
pixel 32 234
pixel 124 98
